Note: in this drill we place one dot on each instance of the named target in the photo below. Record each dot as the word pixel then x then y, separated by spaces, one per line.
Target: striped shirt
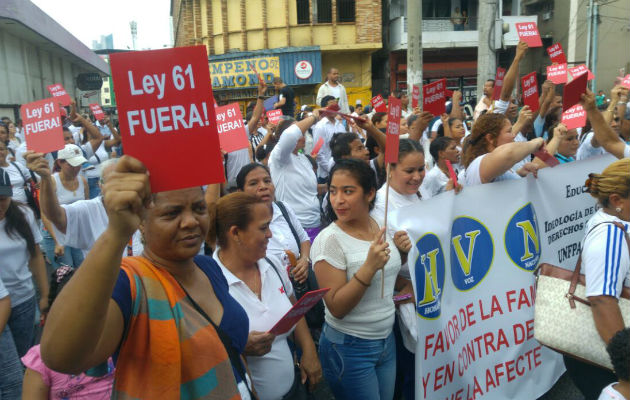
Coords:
pixel 605 258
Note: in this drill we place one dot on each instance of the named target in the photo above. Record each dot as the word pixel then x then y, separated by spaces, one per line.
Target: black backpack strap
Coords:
pixel 285 214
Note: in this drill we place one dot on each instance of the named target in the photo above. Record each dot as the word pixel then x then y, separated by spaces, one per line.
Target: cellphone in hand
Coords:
pixel 402 297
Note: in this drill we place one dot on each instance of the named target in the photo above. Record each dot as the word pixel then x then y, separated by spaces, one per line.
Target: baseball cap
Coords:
pixel 5 184
pixel 72 154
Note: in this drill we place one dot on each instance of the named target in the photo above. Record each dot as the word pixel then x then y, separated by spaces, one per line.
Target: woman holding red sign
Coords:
pixel 166 317
pixel 240 227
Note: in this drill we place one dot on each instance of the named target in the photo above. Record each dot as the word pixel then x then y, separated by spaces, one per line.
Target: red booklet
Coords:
pixel 299 309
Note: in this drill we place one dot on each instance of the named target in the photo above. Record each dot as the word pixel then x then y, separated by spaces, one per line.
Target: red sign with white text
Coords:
pixel 498 83
pixel 556 54
pixel 299 309
pixel 232 134
pixel 579 70
pixel 529 84
pixel 317 147
pixel 557 73
pixel 434 97
pixel 415 96
pixel 41 121
pixel 528 33
pixel 573 91
pixel 625 82
pixel 574 117
pixel 97 111
pixel 378 103
pixel 164 100
pixel 393 130
pixel 57 91
pixel 274 116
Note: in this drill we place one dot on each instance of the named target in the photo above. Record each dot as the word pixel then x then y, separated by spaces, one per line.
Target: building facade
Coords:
pixel 299 40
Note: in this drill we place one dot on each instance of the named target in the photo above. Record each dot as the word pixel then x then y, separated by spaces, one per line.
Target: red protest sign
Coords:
pixel 378 103
pixel 415 96
pixel 434 97
pixel 574 117
pixel 97 111
pixel 556 54
pixel 57 91
pixel 232 134
pixel 299 309
pixel 579 70
pixel 164 100
pixel 498 83
pixel 42 125
pixel 317 147
pixel 393 130
pixel 528 33
pixel 625 82
pixel 274 116
pixel 530 91
pixel 572 92
pixel 557 73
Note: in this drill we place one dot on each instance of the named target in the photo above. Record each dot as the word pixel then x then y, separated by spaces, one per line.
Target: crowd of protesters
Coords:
pixel 172 295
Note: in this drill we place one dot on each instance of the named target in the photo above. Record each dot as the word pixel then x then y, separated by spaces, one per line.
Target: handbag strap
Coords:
pixel 576 272
pixel 21 174
pixel 285 214
pixel 273 266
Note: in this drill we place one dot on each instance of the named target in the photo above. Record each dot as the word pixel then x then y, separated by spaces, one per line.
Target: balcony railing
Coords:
pixel 444 24
pixel 438 33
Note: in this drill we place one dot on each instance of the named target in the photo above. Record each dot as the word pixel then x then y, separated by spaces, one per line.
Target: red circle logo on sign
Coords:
pixel 303 69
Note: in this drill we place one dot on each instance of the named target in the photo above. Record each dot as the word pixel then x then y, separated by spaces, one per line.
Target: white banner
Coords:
pixel 471 268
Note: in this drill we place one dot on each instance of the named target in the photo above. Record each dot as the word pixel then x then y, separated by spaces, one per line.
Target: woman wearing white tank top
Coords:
pixel 69 186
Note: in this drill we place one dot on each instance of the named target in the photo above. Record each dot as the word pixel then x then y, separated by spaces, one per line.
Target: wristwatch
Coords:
pixel 261 97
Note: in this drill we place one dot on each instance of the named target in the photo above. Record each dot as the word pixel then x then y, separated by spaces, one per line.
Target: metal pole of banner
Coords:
pixel 414 46
pixel 589 40
pixel 594 55
pixel 385 225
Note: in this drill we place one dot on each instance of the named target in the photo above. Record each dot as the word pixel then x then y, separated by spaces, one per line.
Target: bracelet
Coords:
pixel 360 281
pixel 261 97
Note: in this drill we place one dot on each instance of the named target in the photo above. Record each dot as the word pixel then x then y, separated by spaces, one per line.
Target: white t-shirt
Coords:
pixel 3 290
pixel 19 156
pixel 335 91
pixel 17 172
pixel 295 181
pixel 95 158
pixel 472 176
pixel 609 393
pixel 586 149
pixel 626 151
pixel 272 373
pixel 282 238
pixel 605 261
pixel 14 271
pixel 500 106
pixel 373 316
pixel 86 222
pixel 434 183
pixel 325 129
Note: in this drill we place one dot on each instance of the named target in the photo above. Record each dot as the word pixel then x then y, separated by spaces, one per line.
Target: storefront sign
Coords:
pixel 241 73
pixel 303 69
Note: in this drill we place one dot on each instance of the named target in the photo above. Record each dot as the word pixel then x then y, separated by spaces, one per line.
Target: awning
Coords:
pixel 447 69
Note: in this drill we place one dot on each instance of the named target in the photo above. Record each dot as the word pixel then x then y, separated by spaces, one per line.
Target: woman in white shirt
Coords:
pixel 255 179
pixel 606 267
pixel 357 346
pixel 292 173
pixel 437 180
pixel 19 175
pixel 240 227
pixel 21 261
pixel 69 187
pixel 490 151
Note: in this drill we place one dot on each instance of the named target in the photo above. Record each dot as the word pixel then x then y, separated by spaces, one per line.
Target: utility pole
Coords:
pixel 486 57
pixel 589 20
pixel 133 25
pixel 414 46
pixel 594 59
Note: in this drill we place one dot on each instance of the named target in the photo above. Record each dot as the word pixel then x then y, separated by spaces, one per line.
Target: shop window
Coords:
pixel 324 11
pixel 345 10
pixel 303 12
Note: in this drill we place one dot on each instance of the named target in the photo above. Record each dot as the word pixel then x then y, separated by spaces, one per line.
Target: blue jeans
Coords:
pixel 10 368
pixel 358 368
pixel 71 256
pixel 95 190
pixel 22 325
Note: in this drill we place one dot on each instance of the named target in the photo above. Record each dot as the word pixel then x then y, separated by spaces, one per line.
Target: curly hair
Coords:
pixel 613 180
pixel 619 351
pixel 475 145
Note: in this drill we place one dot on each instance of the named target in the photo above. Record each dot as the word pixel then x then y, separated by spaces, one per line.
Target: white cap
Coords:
pixel 358 101
pixel 304 107
pixel 72 154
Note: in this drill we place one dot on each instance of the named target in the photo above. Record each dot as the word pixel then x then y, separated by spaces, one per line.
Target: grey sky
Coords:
pixel 89 19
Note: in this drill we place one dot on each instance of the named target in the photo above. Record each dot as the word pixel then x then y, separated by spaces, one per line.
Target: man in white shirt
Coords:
pixel 486 100
pixel 332 87
pixel 325 128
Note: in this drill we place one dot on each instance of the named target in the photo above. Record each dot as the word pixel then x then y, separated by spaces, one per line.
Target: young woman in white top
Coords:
pixel 357 346
pixel 21 264
pixel 255 179
pixel 619 351
pixel 606 267
pixel 239 224
pixel 292 173
pixel 438 180
pixel 490 151
pixel 69 187
pixel 19 175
